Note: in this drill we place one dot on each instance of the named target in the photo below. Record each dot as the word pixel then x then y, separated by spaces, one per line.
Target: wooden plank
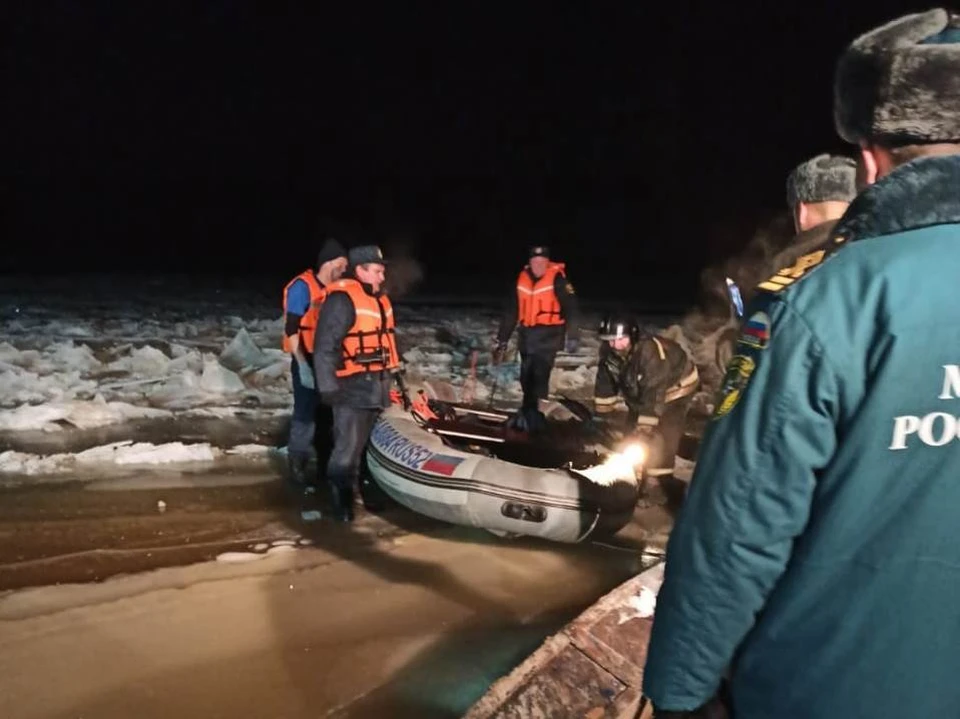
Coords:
pixel 593 667
pixel 572 681
pixel 503 690
pixel 621 649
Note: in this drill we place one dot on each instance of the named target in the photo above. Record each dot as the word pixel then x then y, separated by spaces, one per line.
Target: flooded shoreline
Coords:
pixel 396 614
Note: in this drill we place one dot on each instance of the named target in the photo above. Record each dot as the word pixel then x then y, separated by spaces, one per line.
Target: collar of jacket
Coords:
pixel 368 288
pixel 918 194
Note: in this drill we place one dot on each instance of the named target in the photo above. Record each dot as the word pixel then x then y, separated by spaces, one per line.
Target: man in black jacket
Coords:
pixel 655 378
pixel 544 305
pixel 355 361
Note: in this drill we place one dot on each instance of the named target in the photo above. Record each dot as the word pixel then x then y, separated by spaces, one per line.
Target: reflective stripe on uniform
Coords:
pixel 374 322
pixel 686 386
pixel 660 350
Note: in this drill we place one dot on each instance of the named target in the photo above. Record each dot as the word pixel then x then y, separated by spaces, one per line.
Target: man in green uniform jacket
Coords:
pixel 816 562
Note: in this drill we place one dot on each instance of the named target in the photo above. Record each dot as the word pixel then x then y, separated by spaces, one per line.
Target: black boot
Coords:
pixel 342 500
pixel 373 498
pixel 517 421
pixel 536 421
pixel 297 464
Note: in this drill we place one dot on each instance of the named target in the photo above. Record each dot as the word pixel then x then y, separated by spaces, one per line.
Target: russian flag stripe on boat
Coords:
pixel 441 464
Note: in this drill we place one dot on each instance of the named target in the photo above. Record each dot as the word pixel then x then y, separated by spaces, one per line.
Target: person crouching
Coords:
pixel 655 378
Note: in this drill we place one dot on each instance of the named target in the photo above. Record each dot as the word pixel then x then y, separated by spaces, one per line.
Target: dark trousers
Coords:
pixel 535 369
pixel 351 430
pixel 669 432
pixel 308 414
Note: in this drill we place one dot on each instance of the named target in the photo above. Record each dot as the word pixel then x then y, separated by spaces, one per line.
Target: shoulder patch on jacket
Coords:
pixel 735 382
pixel 803 266
pixel 755 332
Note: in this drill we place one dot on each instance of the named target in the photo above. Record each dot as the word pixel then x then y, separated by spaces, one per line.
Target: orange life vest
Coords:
pixel 308 323
pixel 537 301
pixel 370 344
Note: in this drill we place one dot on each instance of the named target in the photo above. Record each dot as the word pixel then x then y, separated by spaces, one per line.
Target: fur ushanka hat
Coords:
pixel 900 83
pixel 821 179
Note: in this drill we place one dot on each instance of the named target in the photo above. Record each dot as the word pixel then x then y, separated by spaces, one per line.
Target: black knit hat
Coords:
pixel 822 179
pixel 331 250
pixel 900 83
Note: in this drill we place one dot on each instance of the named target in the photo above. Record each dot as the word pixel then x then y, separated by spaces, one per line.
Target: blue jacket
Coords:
pixel 817 557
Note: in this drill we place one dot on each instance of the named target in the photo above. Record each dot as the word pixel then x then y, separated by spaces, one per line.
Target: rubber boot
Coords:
pixel 342 501
pixel 297 464
pixel 371 495
pixel 517 421
pixel 536 421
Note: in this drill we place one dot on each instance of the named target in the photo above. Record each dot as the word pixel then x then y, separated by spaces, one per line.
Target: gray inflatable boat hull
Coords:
pixel 420 471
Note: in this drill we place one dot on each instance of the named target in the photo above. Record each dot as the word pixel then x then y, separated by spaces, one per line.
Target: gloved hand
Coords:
pixel 498 351
pixel 572 345
pixel 645 430
pixel 305 374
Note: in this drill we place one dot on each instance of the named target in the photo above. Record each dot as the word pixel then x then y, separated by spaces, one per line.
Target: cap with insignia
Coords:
pixel 366 254
pixel 539 251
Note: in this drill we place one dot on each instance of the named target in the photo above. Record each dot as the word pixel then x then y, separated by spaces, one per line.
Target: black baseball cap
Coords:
pixel 365 254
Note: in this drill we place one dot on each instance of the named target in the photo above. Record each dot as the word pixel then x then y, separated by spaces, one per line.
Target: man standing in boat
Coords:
pixel 654 377
pixel 815 561
pixel 355 360
pixel 302 298
pixel 545 306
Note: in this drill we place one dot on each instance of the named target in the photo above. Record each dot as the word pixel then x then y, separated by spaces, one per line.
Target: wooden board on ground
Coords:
pixel 592 668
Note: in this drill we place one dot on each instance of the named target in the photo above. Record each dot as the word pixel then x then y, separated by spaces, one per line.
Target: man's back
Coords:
pixel 839 514
pixel 882 544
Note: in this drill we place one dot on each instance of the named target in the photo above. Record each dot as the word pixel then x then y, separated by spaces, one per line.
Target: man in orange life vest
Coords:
pixel 355 360
pixel 546 308
pixel 302 298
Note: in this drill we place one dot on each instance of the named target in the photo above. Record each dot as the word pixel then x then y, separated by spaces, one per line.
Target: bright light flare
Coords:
pixel 627 461
pixel 618 466
pixel 635 453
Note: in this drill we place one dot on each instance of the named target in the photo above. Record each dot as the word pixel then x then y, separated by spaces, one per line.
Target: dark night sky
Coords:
pixel 641 143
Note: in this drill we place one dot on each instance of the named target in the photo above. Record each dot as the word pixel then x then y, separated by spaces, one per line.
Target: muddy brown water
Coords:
pixel 394 616
pixel 397 615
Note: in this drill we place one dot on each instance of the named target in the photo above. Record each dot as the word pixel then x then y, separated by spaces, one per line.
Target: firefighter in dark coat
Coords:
pixel 355 361
pixel 545 307
pixel 654 377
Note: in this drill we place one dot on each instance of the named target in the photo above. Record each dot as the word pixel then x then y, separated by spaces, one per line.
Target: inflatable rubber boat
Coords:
pixel 463 465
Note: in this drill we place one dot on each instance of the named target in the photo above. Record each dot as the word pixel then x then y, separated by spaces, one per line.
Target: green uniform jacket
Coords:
pixel 817 557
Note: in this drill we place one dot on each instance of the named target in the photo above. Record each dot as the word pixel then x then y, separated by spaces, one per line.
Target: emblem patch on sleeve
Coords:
pixel 735 382
pixel 756 331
